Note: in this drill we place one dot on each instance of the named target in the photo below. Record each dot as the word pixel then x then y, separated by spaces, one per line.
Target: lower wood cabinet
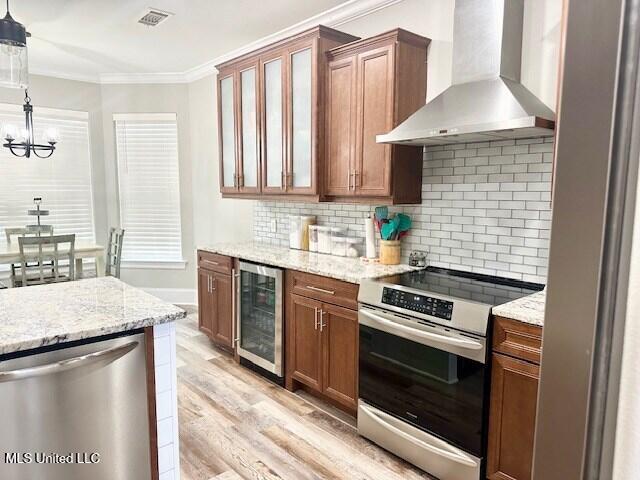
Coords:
pixel 514 393
pixel 215 306
pixel 304 352
pixel 339 330
pixel 322 346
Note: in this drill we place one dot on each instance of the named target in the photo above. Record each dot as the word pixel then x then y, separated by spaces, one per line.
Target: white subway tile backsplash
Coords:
pixel 485 208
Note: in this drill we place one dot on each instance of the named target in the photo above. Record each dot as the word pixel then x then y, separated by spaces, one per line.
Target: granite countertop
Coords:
pixel 42 315
pixel 529 309
pixel 342 268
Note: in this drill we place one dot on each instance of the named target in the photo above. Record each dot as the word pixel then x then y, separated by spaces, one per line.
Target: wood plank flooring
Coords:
pixel 236 425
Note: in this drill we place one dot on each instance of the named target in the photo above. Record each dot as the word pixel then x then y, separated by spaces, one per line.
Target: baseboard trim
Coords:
pixel 178 296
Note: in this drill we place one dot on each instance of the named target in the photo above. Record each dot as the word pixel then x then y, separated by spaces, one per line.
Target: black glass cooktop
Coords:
pixel 464 285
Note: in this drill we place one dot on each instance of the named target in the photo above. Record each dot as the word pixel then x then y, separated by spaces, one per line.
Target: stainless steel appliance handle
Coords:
pixel 454 454
pixel 321 290
pixel 457 342
pixel 233 304
pixel 109 355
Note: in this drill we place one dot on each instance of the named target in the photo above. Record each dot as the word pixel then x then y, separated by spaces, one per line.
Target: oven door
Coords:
pixel 425 374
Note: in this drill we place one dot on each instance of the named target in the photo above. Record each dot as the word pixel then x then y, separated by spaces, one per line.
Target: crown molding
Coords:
pixel 142 78
pixel 334 17
pixel 78 77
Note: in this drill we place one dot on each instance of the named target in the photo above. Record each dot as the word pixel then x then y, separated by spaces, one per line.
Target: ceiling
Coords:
pixel 91 39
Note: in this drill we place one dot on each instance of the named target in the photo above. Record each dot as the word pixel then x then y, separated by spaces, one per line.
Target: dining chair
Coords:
pixel 12 233
pixel 114 252
pixel 44 259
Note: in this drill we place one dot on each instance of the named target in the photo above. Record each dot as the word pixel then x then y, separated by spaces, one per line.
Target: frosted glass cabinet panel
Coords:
pixel 274 159
pixel 301 104
pixel 249 129
pixel 227 128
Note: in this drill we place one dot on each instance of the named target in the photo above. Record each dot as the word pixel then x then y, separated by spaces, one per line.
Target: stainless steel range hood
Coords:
pixel 486 100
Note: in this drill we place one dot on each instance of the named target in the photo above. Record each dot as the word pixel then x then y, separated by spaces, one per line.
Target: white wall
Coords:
pixel 434 19
pixel 215 219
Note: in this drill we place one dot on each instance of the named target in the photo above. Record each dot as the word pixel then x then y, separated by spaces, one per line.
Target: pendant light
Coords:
pixel 13 53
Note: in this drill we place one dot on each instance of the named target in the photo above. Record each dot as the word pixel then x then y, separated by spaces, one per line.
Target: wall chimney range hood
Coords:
pixel 486 100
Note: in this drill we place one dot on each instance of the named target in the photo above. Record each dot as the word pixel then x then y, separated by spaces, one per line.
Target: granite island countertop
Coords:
pixel 342 268
pixel 529 309
pixel 37 316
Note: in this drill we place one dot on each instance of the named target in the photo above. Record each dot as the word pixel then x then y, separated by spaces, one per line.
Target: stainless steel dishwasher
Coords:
pixel 86 404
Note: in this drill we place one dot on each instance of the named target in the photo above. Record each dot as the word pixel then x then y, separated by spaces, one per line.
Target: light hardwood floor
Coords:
pixel 236 425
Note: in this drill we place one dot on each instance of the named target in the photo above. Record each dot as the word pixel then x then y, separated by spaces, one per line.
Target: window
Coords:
pixel 63 180
pixel 148 181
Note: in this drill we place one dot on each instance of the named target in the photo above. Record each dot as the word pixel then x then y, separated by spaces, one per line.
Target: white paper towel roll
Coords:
pixel 370 238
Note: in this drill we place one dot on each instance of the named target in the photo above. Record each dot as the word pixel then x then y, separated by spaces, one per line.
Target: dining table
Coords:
pixel 10 254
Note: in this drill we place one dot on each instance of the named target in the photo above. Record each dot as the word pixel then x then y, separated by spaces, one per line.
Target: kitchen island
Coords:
pixel 87 382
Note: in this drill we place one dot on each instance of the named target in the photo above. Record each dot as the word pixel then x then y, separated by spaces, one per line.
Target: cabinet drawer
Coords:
pixel 324 289
pixel 517 339
pixel 215 262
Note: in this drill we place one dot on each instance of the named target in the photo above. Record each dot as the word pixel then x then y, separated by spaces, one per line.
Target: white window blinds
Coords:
pixel 63 180
pixel 148 180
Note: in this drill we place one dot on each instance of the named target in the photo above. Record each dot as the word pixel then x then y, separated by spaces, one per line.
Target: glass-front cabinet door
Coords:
pixel 248 168
pixel 260 316
pixel 301 162
pixel 227 132
pixel 273 126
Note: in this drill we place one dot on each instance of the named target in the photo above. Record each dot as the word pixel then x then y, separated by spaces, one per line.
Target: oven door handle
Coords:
pixel 456 342
pixel 452 453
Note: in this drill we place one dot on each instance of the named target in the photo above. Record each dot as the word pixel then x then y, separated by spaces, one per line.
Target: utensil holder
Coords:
pixel 389 252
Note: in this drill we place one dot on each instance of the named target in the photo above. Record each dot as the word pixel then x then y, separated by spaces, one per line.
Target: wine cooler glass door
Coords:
pixel 260 316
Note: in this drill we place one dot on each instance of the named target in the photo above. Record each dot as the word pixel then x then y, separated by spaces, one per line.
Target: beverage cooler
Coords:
pixel 260 318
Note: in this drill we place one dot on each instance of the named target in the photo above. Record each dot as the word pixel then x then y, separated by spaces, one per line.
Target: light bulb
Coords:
pixel 9 132
pixel 51 135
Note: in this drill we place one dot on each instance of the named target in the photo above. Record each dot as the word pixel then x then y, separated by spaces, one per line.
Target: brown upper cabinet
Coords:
pixel 271 117
pixel 373 85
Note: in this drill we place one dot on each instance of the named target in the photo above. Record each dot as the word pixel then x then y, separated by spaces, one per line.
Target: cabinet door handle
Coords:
pixel 321 290
pixel 213 283
pixel 322 324
pixel 356 175
pixel 349 180
pixel 208 283
pixel 315 318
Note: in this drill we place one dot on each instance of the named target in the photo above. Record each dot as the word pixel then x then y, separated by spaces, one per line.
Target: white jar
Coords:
pixel 353 246
pixel 324 239
pixel 338 246
pixel 313 238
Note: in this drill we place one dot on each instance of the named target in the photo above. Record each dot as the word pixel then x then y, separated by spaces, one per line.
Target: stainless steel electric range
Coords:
pixel 424 366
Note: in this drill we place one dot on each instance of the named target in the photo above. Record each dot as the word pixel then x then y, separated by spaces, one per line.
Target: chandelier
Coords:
pixel 22 144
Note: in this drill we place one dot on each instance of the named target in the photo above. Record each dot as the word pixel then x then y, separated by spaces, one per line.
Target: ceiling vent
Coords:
pixel 153 17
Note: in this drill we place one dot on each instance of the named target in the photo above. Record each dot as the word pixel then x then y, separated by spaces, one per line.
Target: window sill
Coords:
pixel 154 265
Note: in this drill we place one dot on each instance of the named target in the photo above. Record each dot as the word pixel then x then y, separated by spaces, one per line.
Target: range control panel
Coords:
pixel 418 303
